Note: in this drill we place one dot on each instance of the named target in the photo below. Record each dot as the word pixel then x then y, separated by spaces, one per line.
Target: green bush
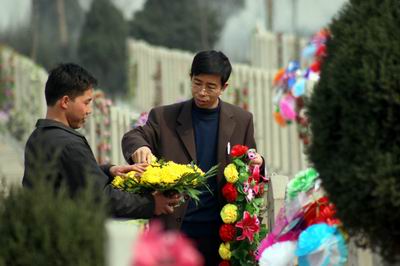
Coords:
pixel 355 121
pixel 40 227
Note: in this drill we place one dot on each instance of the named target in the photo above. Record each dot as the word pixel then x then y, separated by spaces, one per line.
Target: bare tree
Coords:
pixel 62 23
pixel 35 30
pixel 270 14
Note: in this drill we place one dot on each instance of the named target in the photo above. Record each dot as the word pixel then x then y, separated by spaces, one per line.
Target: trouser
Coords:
pixel 208 247
pixel 206 239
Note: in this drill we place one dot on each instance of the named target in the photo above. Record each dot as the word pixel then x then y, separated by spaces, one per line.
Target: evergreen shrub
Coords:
pixel 355 121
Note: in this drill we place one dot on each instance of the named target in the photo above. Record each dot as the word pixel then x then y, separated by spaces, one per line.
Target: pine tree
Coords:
pixel 187 25
pixel 102 46
pixel 355 121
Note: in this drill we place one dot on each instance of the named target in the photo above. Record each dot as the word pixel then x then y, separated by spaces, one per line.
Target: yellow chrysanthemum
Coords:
pixel 225 251
pixel 231 173
pixel 153 159
pixel 161 175
pixel 131 174
pixel 118 182
pixel 168 173
pixel 229 213
pixel 152 175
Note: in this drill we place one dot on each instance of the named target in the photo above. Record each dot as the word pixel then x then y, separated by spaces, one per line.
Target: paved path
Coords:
pixel 11 160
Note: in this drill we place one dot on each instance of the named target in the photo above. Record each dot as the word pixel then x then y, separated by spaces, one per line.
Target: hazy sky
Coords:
pixel 235 40
pixel 13 12
pixel 311 16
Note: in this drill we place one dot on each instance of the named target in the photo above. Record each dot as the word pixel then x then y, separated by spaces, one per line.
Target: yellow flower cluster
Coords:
pixel 118 182
pixel 231 173
pixel 229 213
pixel 166 173
pixel 225 251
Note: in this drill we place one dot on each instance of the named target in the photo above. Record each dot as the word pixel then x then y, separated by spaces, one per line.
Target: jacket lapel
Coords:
pixel 185 129
pixel 226 126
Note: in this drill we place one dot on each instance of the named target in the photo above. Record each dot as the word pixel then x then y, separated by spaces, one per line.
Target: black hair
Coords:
pixel 211 62
pixel 67 79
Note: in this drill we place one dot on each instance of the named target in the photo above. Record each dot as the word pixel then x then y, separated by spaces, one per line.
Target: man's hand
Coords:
pixel 163 204
pixel 258 160
pixel 142 155
pixel 123 169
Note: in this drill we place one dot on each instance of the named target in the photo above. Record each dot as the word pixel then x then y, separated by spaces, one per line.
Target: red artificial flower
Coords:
pixel 250 225
pixel 224 263
pixel 227 232
pixel 316 66
pixel 229 192
pixel 239 150
pixel 321 51
pixel 261 189
pixel 255 174
pixel 321 211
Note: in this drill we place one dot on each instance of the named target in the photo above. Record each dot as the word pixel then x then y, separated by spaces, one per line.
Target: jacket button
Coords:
pixel 179 219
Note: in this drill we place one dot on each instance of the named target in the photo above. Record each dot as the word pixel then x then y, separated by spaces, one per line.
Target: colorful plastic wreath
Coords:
pixel 242 229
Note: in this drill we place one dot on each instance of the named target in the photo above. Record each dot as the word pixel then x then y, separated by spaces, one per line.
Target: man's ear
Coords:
pixel 64 101
pixel 225 86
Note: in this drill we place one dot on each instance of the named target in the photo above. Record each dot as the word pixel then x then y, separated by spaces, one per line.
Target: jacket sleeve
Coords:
pixel 251 142
pixel 80 165
pixel 147 135
pixel 106 170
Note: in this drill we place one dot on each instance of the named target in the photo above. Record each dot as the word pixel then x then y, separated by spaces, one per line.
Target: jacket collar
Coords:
pixel 185 129
pixel 227 124
pixel 50 123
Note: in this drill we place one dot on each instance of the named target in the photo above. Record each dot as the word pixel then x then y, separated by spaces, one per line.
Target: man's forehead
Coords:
pixel 209 78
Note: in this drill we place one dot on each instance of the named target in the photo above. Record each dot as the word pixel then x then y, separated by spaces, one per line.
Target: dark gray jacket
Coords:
pixel 54 149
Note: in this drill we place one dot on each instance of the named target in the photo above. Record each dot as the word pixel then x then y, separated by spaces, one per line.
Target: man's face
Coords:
pixel 206 88
pixel 79 109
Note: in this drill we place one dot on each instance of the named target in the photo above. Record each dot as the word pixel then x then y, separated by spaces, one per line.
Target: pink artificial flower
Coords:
pixel 156 247
pixel 248 190
pixel 287 107
pixel 250 225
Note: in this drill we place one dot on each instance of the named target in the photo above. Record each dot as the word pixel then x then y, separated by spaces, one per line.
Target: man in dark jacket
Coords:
pixel 201 130
pixel 56 149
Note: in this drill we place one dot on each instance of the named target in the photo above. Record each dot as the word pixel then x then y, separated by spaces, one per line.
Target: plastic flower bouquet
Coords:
pixel 167 177
pixel 306 227
pixel 242 230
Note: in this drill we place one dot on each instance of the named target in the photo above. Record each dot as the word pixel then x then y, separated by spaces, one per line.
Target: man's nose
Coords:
pixel 203 91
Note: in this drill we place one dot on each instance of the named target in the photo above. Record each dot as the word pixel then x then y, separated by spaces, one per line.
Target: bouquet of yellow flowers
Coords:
pixel 167 177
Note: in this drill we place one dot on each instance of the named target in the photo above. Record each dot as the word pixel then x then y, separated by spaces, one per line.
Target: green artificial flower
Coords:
pixel 302 182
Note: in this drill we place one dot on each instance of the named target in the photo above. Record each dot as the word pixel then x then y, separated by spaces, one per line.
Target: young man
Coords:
pixel 200 130
pixel 56 149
